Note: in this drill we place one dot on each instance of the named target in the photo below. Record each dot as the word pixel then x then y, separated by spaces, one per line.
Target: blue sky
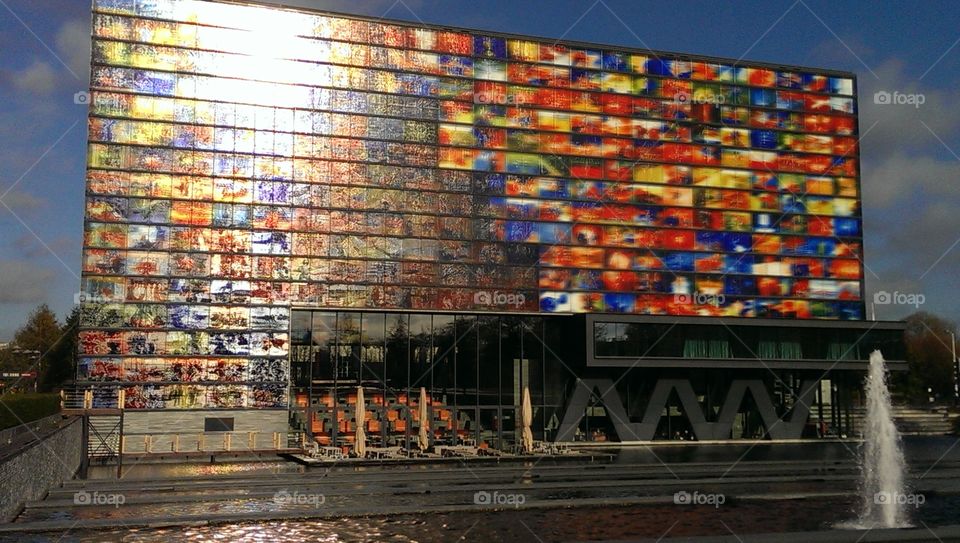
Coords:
pixel 910 155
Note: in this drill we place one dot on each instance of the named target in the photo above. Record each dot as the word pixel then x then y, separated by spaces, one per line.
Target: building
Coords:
pixel 284 205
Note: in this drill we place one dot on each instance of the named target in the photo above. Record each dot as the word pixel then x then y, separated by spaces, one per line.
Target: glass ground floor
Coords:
pixel 590 378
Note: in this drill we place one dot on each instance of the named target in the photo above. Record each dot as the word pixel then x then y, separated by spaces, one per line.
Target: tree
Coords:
pixel 40 332
pixel 929 357
pixel 59 367
pixel 43 345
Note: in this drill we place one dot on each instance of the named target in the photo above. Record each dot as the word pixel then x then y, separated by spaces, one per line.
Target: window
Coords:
pixel 218 424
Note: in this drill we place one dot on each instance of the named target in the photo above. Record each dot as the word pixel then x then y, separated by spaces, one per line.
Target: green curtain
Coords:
pixel 841 351
pixel 720 348
pixel 780 350
pixel 791 350
pixel 695 348
pixel 706 348
pixel 767 350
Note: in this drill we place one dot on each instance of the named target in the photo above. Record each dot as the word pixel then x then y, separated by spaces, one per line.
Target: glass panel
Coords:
pixel 421 353
pixel 443 374
pixel 301 353
pixel 348 348
pixel 397 337
pixel 489 428
pixel 397 371
pixel 323 334
pixel 300 328
pixel 532 376
pixel 465 389
pixel 511 359
pixel 373 351
pixel 489 360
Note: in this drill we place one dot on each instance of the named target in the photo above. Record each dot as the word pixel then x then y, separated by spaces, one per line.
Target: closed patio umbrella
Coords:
pixel 424 437
pixel 526 420
pixel 360 441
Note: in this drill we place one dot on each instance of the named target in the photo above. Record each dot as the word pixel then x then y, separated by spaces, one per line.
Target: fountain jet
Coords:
pixel 882 467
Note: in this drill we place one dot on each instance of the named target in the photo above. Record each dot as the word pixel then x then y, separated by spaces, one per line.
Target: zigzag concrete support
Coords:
pixel 777 428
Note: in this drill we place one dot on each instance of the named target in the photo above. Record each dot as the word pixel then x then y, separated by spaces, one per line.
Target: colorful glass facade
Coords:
pixel 244 160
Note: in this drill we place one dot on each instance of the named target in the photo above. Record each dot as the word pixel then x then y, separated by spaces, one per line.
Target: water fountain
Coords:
pixel 882 466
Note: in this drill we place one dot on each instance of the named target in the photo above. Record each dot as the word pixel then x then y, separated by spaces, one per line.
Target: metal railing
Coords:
pixel 33 428
pixel 85 398
pixel 211 442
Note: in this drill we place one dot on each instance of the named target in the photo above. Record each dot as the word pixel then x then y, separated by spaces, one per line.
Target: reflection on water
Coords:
pixel 586 524
pixel 197 469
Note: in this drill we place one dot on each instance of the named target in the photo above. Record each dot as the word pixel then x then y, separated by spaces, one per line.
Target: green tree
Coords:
pixel 40 332
pixel 36 339
pixel 929 357
pixel 59 367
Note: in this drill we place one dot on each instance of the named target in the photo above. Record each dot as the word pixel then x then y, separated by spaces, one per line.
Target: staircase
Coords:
pixel 912 421
pixel 103 436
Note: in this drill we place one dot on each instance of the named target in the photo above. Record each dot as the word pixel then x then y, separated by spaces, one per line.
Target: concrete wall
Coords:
pixel 191 422
pixel 182 431
pixel 31 473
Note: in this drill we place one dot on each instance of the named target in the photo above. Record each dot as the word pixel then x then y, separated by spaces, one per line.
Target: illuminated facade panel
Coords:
pixel 244 160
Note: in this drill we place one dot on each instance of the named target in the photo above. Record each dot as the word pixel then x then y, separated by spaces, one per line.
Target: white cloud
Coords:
pixel 38 78
pixel 73 46
pixel 20 201
pixel 899 127
pixel 24 282
pixel 892 181
pixel 910 198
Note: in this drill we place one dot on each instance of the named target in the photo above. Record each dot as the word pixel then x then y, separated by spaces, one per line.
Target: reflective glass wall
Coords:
pixel 473 370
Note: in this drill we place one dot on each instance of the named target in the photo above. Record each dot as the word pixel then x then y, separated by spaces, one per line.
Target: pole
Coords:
pixel 956 369
pixel 84 444
pixel 35 355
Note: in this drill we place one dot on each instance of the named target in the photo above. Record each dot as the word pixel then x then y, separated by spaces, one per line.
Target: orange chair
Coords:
pixel 400 425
